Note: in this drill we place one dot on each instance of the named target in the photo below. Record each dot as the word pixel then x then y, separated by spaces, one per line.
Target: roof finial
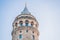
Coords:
pixel 25 11
pixel 25 4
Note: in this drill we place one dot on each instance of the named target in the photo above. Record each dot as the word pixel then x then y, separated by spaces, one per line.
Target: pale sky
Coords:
pixel 47 13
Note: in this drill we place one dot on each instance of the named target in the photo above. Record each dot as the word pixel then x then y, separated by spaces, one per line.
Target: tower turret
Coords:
pixel 25 26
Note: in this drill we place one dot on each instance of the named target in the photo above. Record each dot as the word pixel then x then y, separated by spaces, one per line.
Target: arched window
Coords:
pixel 32 23
pixel 16 24
pixel 21 23
pixel 33 37
pixel 33 32
pixel 26 30
pixel 20 36
pixel 20 31
pixel 26 23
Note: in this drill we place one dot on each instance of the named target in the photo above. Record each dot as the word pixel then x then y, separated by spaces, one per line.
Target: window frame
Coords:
pixel 20 36
pixel 26 23
pixel 21 23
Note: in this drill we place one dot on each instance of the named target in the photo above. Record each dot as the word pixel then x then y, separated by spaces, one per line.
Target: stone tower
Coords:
pixel 25 26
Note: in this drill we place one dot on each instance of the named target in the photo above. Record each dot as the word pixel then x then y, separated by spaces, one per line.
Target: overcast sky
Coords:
pixel 47 13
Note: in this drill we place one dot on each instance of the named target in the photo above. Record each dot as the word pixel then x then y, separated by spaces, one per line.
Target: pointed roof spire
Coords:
pixel 25 11
pixel 25 4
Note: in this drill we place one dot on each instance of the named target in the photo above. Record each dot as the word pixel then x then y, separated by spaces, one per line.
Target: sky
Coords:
pixel 47 13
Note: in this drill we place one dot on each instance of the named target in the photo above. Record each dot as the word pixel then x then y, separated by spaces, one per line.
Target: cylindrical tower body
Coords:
pixel 25 27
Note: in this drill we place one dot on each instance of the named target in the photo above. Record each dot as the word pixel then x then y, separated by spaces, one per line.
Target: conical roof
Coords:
pixel 25 11
pixel 26 14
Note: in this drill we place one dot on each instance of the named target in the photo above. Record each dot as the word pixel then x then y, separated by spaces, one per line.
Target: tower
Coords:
pixel 25 26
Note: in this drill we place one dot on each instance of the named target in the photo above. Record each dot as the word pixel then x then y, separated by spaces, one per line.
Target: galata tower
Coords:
pixel 25 26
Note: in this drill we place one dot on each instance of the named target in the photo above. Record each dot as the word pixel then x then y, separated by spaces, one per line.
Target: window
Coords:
pixel 32 23
pixel 21 23
pixel 16 24
pixel 20 36
pixel 20 31
pixel 26 23
pixel 26 16
pixel 26 30
pixel 33 37
pixel 33 31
